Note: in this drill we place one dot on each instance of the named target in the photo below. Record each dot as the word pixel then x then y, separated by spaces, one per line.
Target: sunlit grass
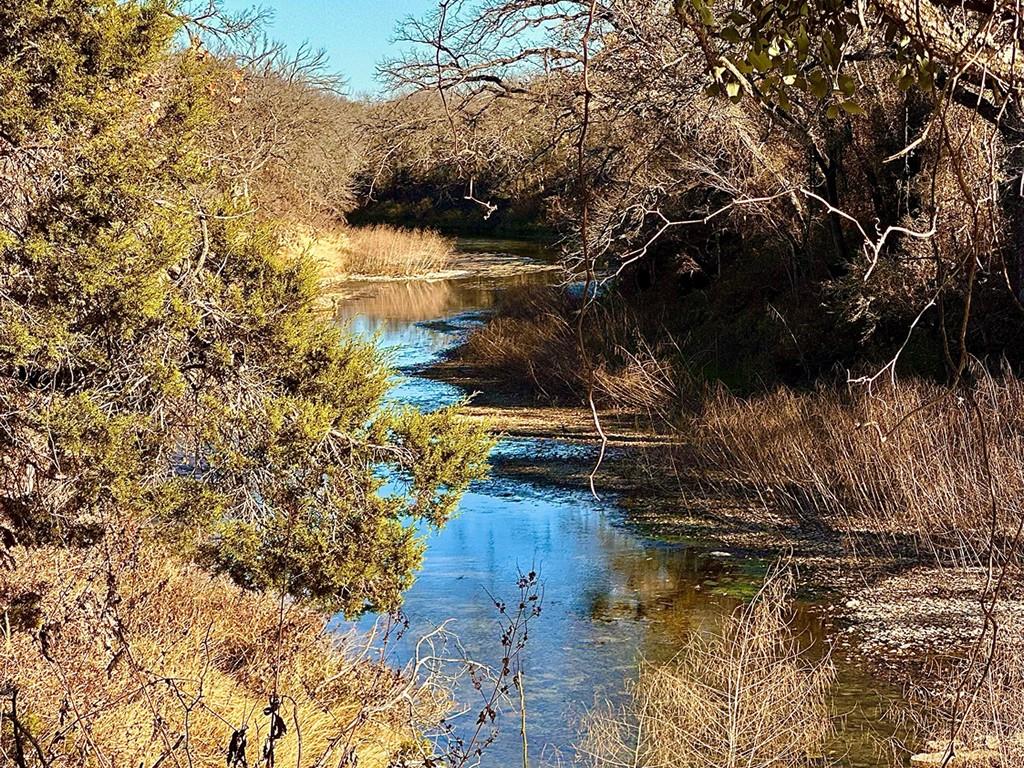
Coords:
pixel 745 694
pixel 146 656
pixel 377 251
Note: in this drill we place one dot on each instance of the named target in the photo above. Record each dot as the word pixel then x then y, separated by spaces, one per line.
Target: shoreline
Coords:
pixel 896 614
pixel 463 266
pixel 884 613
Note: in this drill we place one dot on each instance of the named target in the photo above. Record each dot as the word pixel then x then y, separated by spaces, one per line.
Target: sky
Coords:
pixel 356 34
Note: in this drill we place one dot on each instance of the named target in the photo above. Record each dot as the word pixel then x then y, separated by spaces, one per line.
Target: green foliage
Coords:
pixel 447 451
pixel 65 60
pixel 796 54
pixel 161 361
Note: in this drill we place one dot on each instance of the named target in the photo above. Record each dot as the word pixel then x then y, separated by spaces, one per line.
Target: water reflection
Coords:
pixel 418 320
pixel 613 596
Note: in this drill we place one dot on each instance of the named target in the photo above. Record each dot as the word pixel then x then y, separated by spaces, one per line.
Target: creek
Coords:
pixel 615 591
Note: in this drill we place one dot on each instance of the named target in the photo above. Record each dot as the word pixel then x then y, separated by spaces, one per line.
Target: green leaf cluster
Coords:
pixel 796 54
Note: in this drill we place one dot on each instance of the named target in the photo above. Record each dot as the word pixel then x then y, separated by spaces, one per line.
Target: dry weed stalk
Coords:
pixel 748 694
pixel 991 731
pixel 118 654
pixel 839 460
pixel 441 656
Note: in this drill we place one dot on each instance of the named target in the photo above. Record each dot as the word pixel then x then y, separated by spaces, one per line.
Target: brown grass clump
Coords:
pixel 847 460
pixel 377 251
pixel 746 695
pixel 122 655
pixel 532 340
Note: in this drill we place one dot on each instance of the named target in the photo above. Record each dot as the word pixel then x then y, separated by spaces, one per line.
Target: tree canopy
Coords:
pixel 163 367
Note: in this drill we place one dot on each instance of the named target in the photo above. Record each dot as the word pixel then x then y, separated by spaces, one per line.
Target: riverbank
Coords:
pixel 717 503
pixel 617 590
pixel 904 605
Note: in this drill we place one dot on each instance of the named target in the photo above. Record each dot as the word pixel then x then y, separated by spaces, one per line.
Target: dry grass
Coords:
pixel 989 716
pixel 746 695
pixel 122 655
pixel 845 460
pixel 532 339
pixel 375 251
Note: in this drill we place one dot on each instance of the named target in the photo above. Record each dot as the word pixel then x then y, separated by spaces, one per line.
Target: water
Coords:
pixel 614 593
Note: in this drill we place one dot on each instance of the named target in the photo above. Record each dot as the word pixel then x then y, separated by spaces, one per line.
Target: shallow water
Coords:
pixel 614 594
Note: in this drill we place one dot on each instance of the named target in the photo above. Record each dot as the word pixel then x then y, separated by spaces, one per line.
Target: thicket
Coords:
pixel 285 134
pixel 802 185
pixel 423 168
pixel 170 394
pixel 759 195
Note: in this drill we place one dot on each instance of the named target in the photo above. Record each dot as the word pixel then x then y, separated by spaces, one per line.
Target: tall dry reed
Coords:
pixel 979 712
pixel 532 339
pixel 914 463
pixel 374 251
pixel 389 251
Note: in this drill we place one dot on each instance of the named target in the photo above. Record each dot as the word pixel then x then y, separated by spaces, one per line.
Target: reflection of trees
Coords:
pixel 662 586
pixel 679 590
pixel 418 300
pixel 405 300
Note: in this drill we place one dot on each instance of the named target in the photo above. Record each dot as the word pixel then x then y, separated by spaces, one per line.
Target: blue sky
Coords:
pixel 355 33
